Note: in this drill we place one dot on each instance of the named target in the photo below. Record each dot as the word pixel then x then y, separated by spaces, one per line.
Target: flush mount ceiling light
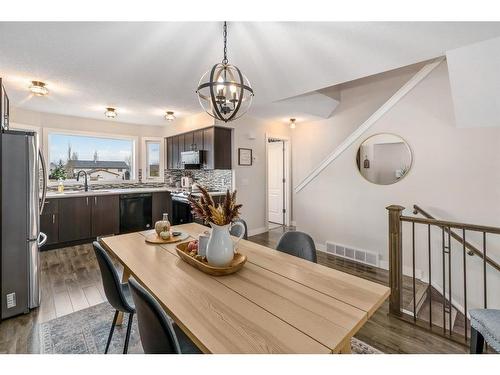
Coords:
pixel 224 92
pixel 38 88
pixel 169 116
pixel 110 112
pixel 292 123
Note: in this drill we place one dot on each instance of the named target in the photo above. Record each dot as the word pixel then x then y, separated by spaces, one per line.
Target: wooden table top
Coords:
pixel 276 304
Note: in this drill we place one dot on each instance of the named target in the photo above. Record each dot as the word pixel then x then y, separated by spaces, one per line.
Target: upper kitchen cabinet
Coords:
pixel 216 142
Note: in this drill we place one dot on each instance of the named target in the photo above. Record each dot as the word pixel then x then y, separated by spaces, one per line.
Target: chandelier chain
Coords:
pixel 224 34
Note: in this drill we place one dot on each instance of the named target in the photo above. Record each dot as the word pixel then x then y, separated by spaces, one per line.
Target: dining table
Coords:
pixel 277 303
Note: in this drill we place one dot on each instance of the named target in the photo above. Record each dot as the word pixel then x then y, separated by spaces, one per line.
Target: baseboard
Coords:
pixel 254 232
pixel 321 247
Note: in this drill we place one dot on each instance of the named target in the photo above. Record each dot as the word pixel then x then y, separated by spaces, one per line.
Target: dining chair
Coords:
pixel 299 244
pixel 117 293
pixel 159 335
pixel 236 230
pixel 485 326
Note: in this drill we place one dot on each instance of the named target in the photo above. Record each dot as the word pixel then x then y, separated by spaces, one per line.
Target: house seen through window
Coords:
pixel 104 159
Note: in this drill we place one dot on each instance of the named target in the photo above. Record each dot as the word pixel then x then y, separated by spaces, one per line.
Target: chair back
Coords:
pixel 299 244
pixel 156 330
pixel 236 230
pixel 111 281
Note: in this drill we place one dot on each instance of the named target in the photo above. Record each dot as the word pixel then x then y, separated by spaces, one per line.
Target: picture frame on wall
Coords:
pixel 245 156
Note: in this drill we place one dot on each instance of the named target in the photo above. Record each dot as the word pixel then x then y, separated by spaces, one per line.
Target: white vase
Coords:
pixel 221 247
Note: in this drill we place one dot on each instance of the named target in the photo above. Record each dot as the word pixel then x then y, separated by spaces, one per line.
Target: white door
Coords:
pixel 275 181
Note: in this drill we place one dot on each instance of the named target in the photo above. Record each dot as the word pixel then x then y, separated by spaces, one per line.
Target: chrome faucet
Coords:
pixel 78 178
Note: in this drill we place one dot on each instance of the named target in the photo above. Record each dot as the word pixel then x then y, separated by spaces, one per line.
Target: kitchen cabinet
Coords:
pixel 105 215
pixel 168 143
pixel 208 148
pixel 49 221
pixel 175 153
pixel 198 140
pixel 216 142
pixel 222 148
pixel 162 203
pixel 74 218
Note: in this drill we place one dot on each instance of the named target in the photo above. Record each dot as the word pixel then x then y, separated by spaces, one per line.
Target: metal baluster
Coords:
pixel 444 285
pixel 413 266
pixel 465 286
pixel 430 274
pixel 484 269
pixel 449 275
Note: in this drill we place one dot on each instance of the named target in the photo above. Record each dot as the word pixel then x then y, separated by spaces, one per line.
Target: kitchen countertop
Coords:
pixel 90 193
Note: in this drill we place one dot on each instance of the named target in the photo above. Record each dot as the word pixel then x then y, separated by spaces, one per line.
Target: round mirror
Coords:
pixel 384 159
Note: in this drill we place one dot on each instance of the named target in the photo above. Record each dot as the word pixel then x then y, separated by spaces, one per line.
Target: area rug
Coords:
pixel 86 332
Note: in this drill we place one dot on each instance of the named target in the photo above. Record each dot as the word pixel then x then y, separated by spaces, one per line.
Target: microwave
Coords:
pixel 192 159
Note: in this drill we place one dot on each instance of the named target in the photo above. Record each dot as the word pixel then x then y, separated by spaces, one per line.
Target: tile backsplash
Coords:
pixel 217 180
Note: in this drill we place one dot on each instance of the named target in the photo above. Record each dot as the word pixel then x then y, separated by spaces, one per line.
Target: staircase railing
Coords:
pixel 396 219
pixel 472 249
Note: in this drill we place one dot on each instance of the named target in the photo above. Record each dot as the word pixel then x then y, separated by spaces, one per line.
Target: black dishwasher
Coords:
pixel 135 212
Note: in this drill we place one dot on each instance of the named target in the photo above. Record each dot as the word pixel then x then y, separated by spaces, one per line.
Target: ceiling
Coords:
pixel 143 69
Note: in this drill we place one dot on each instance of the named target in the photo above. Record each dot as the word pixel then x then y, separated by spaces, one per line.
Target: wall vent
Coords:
pixel 356 255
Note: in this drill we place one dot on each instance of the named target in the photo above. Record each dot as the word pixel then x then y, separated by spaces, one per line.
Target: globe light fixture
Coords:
pixel 223 91
pixel 38 88
pixel 292 123
pixel 110 112
pixel 169 116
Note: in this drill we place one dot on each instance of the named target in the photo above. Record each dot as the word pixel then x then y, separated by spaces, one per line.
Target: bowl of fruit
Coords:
pixel 188 251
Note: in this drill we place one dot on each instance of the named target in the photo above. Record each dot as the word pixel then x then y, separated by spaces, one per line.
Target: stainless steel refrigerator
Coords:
pixel 22 173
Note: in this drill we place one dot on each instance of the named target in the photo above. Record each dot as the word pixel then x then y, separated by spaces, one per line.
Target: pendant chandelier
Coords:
pixel 224 92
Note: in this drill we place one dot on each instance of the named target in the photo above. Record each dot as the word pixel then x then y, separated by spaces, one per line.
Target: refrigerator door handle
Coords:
pixel 44 179
pixel 42 238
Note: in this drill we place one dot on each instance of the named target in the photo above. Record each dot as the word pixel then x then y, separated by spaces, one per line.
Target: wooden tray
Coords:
pixel 154 238
pixel 237 263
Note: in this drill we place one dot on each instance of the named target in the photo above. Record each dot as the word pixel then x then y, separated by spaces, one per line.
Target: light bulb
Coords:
pixel 220 88
pixel 292 123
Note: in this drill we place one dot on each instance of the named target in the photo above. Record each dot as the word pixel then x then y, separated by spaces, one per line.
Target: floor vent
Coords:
pixel 356 255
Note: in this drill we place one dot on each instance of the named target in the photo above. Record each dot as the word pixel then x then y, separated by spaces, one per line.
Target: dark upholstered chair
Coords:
pixel 158 334
pixel 118 294
pixel 485 326
pixel 236 230
pixel 298 244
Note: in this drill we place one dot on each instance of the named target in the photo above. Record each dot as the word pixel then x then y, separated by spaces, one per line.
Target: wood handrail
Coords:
pixel 472 249
pixel 446 224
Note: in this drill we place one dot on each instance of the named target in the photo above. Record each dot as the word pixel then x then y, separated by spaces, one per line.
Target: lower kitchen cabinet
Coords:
pixel 49 221
pixel 162 203
pixel 74 218
pixel 105 215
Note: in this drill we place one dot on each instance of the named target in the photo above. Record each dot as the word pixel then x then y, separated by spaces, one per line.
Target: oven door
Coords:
pixel 181 212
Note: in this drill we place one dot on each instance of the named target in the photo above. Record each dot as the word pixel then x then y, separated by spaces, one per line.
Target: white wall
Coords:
pixel 455 176
pixel 475 82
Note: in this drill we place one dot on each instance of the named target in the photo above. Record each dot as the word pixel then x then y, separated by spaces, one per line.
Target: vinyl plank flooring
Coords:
pixel 77 296
pixel 93 295
pixel 62 303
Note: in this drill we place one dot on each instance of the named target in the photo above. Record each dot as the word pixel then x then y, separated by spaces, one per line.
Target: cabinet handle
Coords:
pixel 87 201
pixel 95 201
pixel 53 218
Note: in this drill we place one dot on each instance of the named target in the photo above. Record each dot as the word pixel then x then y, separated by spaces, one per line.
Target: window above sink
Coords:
pixel 109 159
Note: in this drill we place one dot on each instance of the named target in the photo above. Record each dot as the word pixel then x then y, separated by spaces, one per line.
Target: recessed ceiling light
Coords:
pixel 292 123
pixel 39 88
pixel 110 112
pixel 169 116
